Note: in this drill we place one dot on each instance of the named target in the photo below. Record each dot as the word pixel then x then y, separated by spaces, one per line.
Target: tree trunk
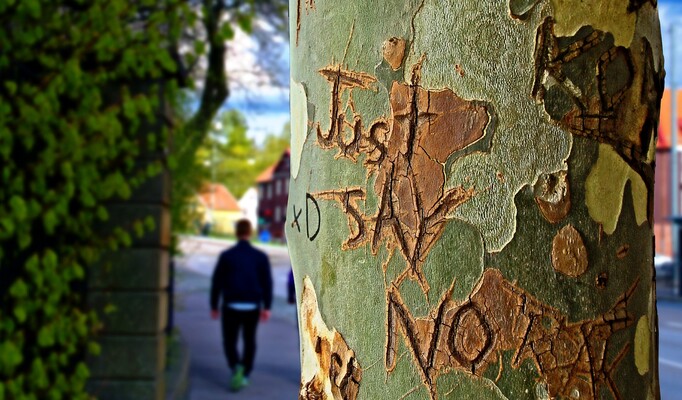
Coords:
pixel 470 213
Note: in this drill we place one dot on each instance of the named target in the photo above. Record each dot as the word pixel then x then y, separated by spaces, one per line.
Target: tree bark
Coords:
pixel 470 213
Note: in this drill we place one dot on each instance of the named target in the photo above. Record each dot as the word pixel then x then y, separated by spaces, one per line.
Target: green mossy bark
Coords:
pixel 482 53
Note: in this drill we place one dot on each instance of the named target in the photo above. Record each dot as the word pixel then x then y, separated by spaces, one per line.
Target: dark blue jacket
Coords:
pixel 242 275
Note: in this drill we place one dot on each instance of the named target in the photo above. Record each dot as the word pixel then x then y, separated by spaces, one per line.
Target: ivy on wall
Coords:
pixel 81 83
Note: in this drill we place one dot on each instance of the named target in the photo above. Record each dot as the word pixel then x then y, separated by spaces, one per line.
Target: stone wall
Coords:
pixel 135 281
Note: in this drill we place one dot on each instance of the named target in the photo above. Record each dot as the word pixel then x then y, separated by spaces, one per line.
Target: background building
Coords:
pixel 273 192
pixel 662 189
pixel 248 205
pixel 218 207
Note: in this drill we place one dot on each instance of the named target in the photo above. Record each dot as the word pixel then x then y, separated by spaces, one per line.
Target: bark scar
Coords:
pixel 499 316
pixel 338 374
pixel 406 152
pixel 309 5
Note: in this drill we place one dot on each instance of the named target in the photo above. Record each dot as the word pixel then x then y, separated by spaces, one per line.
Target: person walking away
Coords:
pixel 242 279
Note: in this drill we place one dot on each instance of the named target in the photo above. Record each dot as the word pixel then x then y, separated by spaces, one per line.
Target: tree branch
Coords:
pixel 215 82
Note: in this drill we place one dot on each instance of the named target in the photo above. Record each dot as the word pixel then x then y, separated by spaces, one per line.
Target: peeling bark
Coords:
pixel 539 154
pixel 338 373
pixel 499 316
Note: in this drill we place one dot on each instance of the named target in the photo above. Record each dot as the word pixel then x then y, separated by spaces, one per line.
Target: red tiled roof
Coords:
pixel 266 176
pixel 224 200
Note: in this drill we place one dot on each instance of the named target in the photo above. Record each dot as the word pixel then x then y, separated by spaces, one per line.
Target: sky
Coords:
pixel 266 108
pixel 265 114
pixel 670 13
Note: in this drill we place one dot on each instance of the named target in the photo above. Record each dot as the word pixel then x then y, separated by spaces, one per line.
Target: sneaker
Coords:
pixel 237 378
pixel 245 382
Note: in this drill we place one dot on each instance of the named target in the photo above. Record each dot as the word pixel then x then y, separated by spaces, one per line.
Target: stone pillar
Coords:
pixel 134 281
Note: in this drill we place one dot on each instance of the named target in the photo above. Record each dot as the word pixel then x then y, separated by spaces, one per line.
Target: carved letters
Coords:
pixel 406 152
pixel 499 316
pixel 611 106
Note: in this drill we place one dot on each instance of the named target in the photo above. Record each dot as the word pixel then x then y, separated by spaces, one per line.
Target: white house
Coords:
pixel 248 205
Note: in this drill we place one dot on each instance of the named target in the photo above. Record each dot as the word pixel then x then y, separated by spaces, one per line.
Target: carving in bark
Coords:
pixel 406 152
pixel 435 144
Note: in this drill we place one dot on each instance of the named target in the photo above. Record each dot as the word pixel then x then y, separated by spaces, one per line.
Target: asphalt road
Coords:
pixel 200 257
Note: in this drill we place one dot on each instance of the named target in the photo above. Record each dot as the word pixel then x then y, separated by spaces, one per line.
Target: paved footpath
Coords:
pixel 276 371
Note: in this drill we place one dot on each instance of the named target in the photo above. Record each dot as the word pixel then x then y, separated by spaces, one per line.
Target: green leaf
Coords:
pixel 33 264
pixel 78 271
pixel 244 22
pixel 123 190
pixel 54 394
pixel 50 221
pixel 46 336
pixel 138 227
pixel 24 239
pixel 102 213
pixel 149 223
pixel 19 289
pixel 11 87
pixel 33 7
pixel 20 313
pixel 67 170
pixel 87 198
pixel 8 325
pixel 226 33
pixel 50 259
pixel 34 208
pixel 167 62
pixel 18 207
pixel 11 357
pixel 38 377
pixel 49 309
pixel 94 348
pixel 8 226
pixel 82 371
pixel 125 239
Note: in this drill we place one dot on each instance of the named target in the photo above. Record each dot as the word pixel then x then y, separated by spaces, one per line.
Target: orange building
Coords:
pixel 218 207
pixel 662 191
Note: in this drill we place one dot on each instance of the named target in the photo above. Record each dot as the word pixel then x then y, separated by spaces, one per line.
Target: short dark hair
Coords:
pixel 243 228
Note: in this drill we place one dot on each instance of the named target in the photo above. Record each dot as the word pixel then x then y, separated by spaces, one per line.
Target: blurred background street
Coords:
pixel 670 350
pixel 276 371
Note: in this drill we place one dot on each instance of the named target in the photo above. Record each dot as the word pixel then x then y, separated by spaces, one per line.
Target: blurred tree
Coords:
pixel 272 149
pixel 234 153
pixel 237 160
pixel 205 75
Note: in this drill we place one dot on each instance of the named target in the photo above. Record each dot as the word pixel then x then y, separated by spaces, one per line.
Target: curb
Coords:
pixel 177 372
